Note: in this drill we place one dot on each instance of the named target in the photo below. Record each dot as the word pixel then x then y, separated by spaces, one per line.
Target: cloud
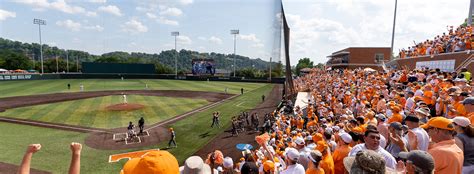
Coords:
pixel 185 2
pixel 134 27
pixel 77 26
pixel 215 40
pixel 98 1
pixel 212 39
pixel 91 14
pixel 249 37
pixel 354 23
pixel 257 43
pixel 69 24
pixel 6 14
pixel 163 20
pixel 60 5
pixel 171 12
pixel 112 9
pixel 94 27
pixel 185 40
pixel 151 15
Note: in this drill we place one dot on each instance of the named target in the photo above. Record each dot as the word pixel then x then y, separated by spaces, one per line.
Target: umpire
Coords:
pixel 141 124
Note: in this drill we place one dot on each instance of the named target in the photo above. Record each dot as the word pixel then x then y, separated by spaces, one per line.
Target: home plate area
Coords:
pixel 130 138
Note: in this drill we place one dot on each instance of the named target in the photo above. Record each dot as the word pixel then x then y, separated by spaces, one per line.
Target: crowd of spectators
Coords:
pixel 455 40
pixel 401 121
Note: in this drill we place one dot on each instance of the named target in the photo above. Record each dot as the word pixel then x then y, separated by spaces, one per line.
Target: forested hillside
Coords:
pixel 18 55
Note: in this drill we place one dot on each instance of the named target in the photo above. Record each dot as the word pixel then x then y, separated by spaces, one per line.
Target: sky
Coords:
pixel 318 27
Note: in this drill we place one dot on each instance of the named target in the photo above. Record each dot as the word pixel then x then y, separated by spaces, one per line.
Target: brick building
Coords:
pixel 355 57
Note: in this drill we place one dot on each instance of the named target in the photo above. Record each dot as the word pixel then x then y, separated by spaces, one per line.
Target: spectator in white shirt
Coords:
pixel 291 159
pixel 422 138
pixel 372 142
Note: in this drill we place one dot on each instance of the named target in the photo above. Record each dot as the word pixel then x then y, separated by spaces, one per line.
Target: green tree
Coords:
pixel 303 63
pixel 163 69
pixel 12 60
pixel 319 65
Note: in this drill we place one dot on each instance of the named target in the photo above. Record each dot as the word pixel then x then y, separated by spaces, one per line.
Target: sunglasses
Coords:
pixel 374 137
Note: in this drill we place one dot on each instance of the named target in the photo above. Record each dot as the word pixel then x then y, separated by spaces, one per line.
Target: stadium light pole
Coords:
pixel 67 61
pixel 57 64
pixel 235 33
pixel 469 17
pixel 175 34
pixel 393 30
pixel 40 22
pixel 270 72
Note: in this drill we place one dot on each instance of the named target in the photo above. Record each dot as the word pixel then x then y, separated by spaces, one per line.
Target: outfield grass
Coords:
pixel 92 112
pixel 55 155
pixel 30 87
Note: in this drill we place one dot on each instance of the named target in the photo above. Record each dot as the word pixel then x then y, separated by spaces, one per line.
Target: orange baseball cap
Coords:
pixel 321 146
pixel 317 137
pixel 358 130
pixel 268 166
pixel 160 162
pixel 440 123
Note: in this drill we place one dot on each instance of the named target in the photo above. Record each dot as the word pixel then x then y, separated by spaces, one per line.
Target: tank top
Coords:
pixel 468 143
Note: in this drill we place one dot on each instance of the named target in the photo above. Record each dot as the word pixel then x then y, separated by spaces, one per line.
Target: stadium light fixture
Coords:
pixel 40 22
pixel 235 33
pixel 175 34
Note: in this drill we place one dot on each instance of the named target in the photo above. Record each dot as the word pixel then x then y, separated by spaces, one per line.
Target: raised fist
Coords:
pixel 33 148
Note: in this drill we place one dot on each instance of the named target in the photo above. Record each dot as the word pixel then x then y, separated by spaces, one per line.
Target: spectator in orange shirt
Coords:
pixel 447 155
pixel 315 157
pixel 341 152
pixel 327 163
pixel 396 117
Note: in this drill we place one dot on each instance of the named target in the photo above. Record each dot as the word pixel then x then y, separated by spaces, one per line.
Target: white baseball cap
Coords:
pixel 292 154
pixel 461 121
pixel 345 137
pixel 228 162
pixel 299 141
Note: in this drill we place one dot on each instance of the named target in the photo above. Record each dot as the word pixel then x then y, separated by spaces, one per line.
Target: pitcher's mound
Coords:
pixel 124 107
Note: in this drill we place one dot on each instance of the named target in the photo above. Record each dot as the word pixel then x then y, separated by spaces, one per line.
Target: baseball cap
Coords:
pixel 268 166
pixel 315 156
pixel 195 164
pixel 381 117
pixel 299 141
pixel 439 122
pixel 317 137
pixel 461 121
pixel 228 162
pixel 321 146
pixel 469 100
pixel 455 90
pixel 419 158
pixel 161 162
pixel 424 111
pixel 292 154
pixel 396 125
pixel 345 137
pixel 412 118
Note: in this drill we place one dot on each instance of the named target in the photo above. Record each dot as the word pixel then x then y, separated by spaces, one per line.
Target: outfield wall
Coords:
pixel 10 77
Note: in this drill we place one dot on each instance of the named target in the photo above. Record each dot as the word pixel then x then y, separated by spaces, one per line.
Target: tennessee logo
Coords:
pixel 129 155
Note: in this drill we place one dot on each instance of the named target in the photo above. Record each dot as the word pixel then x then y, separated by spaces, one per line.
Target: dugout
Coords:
pixel 117 68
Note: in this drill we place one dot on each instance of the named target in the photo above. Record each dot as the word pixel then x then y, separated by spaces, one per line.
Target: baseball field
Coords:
pixel 47 112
